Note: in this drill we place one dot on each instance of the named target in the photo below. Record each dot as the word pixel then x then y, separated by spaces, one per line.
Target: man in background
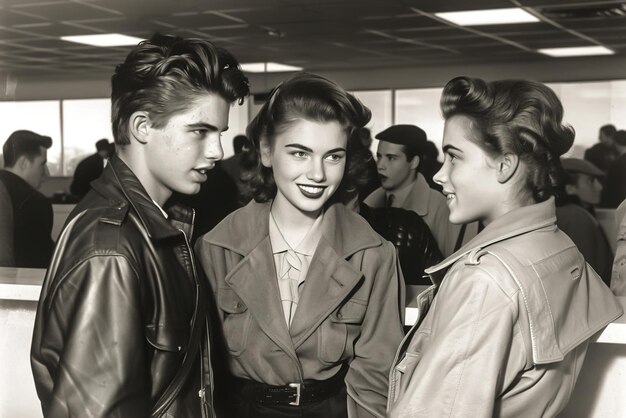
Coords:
pixel 603 153
pixel 614 191
pixel 90 169
pixel 25 169
pixel 400 152
pixel 232 165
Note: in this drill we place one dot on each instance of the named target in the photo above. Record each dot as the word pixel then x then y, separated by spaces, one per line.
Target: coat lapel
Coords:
pixel 254 281
pixel 329 281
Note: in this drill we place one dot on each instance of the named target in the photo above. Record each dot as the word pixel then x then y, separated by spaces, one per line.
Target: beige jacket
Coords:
pixel 507 332
pixel 350 309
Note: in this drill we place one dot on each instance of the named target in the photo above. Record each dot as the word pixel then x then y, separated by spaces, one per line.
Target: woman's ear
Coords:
pixel 507 165
pixel 139 126
pixel 266 152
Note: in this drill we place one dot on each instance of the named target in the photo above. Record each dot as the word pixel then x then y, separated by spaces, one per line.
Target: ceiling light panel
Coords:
pixel 578 51
pixel 268 67
pixel 488 17
pixel 104 40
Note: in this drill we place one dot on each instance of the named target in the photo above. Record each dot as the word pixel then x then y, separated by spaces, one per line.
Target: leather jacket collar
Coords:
pixel 516 222
pixel 119 184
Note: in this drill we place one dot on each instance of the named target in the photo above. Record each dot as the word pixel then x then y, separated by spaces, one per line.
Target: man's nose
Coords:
pixel 213 148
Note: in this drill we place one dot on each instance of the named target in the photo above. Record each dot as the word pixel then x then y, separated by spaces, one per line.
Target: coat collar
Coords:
pixel 417 199
pixel 344 230
pixel 329 280
pixel 516 222
pixel 119 184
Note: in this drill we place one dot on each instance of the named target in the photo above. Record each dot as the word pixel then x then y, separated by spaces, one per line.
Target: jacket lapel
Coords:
pixel 329 281
pixel 254 281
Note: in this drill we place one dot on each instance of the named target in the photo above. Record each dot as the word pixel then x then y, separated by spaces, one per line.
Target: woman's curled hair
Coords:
pixel 515 116
pixel 304 96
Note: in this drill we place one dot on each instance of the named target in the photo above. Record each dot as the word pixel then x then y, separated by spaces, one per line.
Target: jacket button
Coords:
pixel 238 305
pixel 339 315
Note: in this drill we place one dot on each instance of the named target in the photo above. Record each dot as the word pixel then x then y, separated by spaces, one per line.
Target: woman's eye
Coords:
pixel 299 154
pixel 335 157
pixel 451 158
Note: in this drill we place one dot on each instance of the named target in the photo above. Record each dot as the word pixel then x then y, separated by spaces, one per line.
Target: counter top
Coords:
pixel 21 283
pixel 25 284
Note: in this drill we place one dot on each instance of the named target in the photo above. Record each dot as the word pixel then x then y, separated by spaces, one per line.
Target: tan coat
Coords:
pixel 508 330
pixel 350 308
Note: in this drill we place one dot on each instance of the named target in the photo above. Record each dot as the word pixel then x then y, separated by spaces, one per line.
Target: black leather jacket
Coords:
pixel 407 231
pixel 120 306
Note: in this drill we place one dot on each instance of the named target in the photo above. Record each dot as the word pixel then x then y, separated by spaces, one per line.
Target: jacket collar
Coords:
pixel 516 222
pixel 419 196
pixel 416 200
pixel 344 230
pixel 119 183
pixel 329 280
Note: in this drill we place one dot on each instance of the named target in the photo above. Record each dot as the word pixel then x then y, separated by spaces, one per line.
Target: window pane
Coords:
pixel 421 107
pixel 41 117
pixel 84 123
pixel 380 103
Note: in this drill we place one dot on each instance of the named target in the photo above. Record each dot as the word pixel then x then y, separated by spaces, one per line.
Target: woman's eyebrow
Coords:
pixel 298 146
pixel 447 148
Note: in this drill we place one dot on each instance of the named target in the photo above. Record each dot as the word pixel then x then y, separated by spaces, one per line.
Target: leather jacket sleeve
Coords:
pixel 83 366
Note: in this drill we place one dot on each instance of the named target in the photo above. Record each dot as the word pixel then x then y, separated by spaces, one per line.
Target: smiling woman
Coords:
pixel 508 322
pixel 307 293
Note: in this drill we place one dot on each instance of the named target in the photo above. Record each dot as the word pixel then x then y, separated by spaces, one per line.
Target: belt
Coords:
pixel 295 394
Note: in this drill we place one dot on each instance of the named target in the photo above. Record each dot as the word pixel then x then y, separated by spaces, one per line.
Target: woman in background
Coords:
pixel 308 295
pixel 505 329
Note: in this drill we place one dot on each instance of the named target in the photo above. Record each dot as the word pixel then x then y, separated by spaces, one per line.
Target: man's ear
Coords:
pixel 22 163
pixel 415 162
pixel 571 189
pixel 507 165
pixel 139 126
pixel 266 152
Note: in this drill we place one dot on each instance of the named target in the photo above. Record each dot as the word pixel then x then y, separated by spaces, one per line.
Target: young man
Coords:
pixel 603 153
pixel 26 242
pixel 121 322
pixel 399 153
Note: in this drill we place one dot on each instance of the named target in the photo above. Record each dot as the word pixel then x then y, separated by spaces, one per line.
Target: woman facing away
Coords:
pixel 309 298
pixel 504 330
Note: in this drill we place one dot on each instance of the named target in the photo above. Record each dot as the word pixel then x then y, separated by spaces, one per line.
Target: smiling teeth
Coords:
pixel 450 196
pixel 311 189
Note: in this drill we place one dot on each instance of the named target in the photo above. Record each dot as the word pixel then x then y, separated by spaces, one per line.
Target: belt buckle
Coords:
pixel 297 386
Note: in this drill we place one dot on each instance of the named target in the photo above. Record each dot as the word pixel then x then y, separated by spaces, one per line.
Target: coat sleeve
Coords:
pixel 7 258
pixel 381 334
pixel 88 355
pixel 457 362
